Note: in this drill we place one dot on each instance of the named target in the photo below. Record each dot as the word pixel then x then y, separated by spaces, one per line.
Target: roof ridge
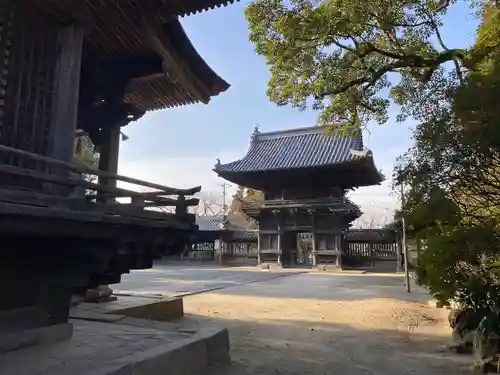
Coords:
pixel 287 132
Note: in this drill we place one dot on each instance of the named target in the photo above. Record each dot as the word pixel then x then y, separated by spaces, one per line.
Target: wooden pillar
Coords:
pixel 258 249
pixel 109 151
pixel 279 258
pixel 343 247
pixel 313 245
pixel 372 255
pixel 66 87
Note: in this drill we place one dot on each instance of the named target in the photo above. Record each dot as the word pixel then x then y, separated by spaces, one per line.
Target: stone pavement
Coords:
pixel 123 346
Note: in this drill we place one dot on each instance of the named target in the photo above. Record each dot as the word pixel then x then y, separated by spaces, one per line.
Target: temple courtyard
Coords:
pixel 303 322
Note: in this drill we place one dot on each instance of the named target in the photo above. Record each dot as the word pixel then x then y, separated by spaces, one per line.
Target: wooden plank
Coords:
pixel 82 216
pixel 43 200
pixel 14 226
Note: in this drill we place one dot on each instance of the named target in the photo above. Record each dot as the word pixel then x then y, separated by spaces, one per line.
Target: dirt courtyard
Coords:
pixel 310 323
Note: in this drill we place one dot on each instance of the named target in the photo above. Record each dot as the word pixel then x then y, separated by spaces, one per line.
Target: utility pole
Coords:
pixel 224 186
pixel 404 240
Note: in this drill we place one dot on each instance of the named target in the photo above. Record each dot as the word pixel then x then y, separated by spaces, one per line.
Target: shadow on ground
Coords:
pixel 300 347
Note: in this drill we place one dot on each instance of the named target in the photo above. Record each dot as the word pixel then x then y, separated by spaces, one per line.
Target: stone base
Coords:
pixel 271 266
pixel 100 294
pixel 154 308
pixel 163 310
pixel 33 337
pixel 128 346
pixel 328 267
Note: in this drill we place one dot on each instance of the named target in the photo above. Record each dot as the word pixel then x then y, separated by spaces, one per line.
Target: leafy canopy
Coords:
pixel 453 174
pixel 348 58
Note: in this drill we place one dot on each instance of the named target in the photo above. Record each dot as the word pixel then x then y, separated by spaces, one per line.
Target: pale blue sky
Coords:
pixel 179 146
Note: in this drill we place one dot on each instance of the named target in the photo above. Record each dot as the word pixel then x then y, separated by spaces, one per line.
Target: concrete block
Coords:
pixel 39 336
pixel 218 345
pixel 181 358
pixel 123 349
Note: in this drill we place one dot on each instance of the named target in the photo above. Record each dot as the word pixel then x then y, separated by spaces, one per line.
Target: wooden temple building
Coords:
pixel 92 65
pixel 304 175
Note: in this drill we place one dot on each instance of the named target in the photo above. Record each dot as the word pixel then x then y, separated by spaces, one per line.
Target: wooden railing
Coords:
pixel 61 184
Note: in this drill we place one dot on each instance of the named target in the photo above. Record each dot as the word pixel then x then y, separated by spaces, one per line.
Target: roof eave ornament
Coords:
pixel 255 133
pixel 361 153
pixel 218 164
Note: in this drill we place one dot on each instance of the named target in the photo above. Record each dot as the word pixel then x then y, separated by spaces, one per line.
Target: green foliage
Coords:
pixel 343 57
pixel 86 156
pixel 453 175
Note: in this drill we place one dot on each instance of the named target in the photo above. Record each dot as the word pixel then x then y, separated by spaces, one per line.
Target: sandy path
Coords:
pixel 329 324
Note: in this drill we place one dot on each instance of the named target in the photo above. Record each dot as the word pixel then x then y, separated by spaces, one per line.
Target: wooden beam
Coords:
pixel 8 209
pixel 145 78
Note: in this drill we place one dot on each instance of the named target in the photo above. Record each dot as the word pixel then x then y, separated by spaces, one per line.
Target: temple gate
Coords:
pixel 304 175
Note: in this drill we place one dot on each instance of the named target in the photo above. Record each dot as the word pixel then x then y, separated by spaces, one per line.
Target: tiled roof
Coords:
pixel 381 235
pixel 210 223
pixel 291 149
pixel 219 223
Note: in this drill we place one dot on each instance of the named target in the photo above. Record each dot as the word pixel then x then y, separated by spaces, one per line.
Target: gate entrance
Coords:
pixel 304 249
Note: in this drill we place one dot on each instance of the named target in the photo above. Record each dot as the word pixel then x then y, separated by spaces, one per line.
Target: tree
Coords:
pixel 240 198
pixel 453 174
pixel 86 156
pixel 351 57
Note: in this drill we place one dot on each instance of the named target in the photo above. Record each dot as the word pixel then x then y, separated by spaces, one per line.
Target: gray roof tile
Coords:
pixel 210 223
pixel 219 223
pixel 291 149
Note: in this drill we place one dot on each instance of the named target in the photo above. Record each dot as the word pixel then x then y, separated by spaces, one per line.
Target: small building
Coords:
pixel 221 240
pixel 304 175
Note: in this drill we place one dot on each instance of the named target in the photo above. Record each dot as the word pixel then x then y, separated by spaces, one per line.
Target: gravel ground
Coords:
pixel 329 324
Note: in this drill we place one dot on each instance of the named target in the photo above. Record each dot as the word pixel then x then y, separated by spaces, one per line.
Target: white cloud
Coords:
pixel 179 172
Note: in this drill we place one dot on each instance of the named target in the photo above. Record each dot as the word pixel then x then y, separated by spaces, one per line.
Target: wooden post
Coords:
pixel 279 260
pixel 109 153
pixel 344 247
pixel 258 249
pixel 372 255
pixel 313 245
pixel 66 87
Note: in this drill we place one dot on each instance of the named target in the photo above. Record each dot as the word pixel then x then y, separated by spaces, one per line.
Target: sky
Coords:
pixel 179 147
